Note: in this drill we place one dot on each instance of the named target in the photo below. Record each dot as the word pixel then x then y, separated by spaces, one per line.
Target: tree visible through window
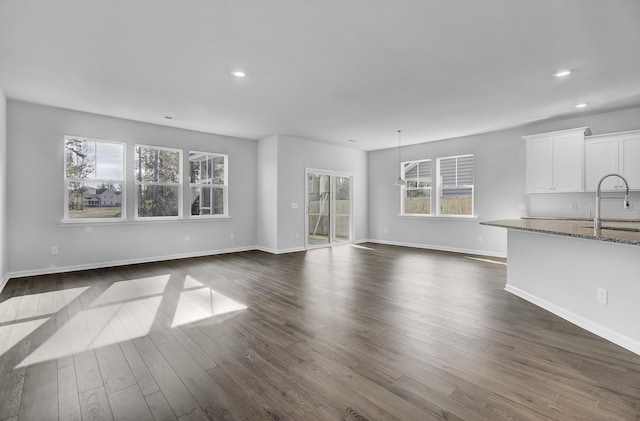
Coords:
pixel 208 183
pixel 94 179
pixel 158 181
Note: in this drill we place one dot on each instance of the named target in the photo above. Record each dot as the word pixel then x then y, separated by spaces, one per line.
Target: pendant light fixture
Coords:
pixel 400 181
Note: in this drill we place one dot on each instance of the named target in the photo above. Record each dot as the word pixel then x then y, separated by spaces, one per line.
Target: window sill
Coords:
pixel 93 223
pixel 442 217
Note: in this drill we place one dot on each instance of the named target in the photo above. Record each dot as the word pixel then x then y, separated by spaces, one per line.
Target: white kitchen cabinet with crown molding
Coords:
pixel 555 161
pixel 613 153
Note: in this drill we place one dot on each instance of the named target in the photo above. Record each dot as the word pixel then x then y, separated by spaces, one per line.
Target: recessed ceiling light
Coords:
pixel 581 105
pixel 562 73
pixel 238 73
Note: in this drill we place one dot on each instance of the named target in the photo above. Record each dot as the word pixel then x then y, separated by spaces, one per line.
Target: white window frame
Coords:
pixel 441 188
pixel 122 183
pixel 405 188
pixel 225 186
pixel 179 185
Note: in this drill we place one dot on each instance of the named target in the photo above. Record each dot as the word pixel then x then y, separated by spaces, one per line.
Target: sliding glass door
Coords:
pixel 329 207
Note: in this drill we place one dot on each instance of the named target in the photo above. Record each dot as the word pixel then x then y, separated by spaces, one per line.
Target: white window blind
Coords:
pixel 456 185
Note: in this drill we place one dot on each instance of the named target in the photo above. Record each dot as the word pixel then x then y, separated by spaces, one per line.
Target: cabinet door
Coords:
pixel 630 159
pixel 568 163
pixel 539 165
pixel 600 159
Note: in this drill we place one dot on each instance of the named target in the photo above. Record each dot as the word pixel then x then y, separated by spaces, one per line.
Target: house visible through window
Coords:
pixel 455 185
pixel 208 183
pixel 94 179
pixel 416 195
pixel 158 182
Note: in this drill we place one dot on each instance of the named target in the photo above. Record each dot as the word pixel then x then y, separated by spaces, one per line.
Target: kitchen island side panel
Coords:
pixel 563 274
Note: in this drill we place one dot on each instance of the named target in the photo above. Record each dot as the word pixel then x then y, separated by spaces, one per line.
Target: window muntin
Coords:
pixel 94 179
pixel 416 194
pixel 158 182
pixel 456 185
pixel 208 184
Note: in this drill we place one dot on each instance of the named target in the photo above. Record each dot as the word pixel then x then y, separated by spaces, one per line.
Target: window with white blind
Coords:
pixel 416 194
pixel 455 185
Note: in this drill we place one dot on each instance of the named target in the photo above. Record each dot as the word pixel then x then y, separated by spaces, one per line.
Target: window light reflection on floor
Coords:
pixel 480 259
pixel 124 311
pixel 202 303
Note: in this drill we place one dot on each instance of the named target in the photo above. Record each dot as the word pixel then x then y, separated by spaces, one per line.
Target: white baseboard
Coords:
pixel 60 269
pixel 439 248
pixel 595 328
pixel 279 251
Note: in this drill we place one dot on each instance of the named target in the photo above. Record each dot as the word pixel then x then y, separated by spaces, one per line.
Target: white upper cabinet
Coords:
pixel 555 161
pixel 613 153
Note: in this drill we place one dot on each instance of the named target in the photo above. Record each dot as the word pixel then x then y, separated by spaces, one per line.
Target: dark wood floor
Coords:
pixel 369 332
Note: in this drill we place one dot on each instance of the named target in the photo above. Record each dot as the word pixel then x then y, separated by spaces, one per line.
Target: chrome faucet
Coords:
pixel 597 222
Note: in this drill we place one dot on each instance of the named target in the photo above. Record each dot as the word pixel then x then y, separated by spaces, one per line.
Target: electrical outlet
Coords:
pixel 479 238
pixel 232 236
pixel 297 236
pixel 627 206
pixel 54 250
pixel 386 231
pixel 522 206
pixel 602 296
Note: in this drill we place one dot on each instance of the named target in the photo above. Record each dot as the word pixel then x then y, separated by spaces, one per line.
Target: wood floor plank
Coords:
pixel 40 394
pixel 139 369
pixel 159 407
pixel 115 371
pixel 68 404
pixel 87 370
pixel 177 395
pixel 129 405
pixel 94 405
pixel 211 398
pixel 374 332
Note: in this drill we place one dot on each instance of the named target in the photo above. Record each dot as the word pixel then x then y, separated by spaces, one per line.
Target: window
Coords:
pixel 94 179
pixel 158 182
pixel 416 195
pixel 208 184
pixel 455 185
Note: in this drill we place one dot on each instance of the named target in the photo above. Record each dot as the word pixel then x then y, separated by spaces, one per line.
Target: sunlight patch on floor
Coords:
pixel 481 259
pixel 125 310
pixel 362 247
pixel 203 303
pixel 13 333
pixel 37 305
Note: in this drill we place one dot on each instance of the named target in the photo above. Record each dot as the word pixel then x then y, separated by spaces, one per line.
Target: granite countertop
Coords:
pixel 613 230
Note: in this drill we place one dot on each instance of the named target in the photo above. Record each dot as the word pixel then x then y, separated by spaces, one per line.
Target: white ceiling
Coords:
pixel 328 70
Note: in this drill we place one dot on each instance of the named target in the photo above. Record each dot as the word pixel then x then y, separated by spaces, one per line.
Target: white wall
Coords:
pixel 499 186
pixel 268 194
pixel 294 156
pixel 3 191
pixel 290 156
pixel 35 195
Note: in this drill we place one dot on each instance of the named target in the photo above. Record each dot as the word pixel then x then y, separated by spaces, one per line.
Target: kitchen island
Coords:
pixel 589 279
